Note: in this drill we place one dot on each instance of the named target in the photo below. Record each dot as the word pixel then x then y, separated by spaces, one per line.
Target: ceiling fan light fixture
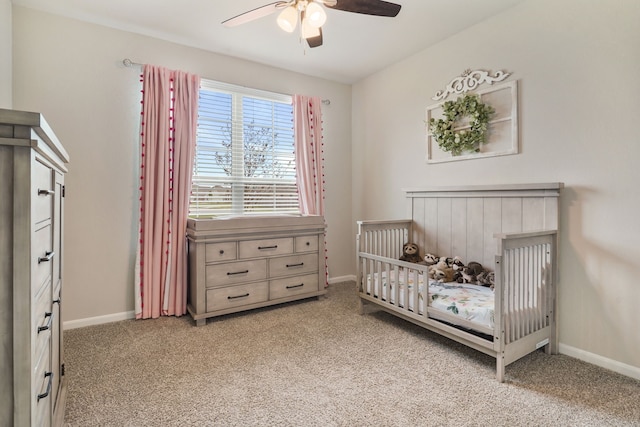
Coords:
pixel 308 30
pixel 315 15
pixel 288 19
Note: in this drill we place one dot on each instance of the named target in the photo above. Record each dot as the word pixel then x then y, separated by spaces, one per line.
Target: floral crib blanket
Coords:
pixel 473 303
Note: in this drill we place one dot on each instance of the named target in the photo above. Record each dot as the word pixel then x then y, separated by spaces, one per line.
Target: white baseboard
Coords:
pixel 603 362
pixel 340 279
pixel 98 320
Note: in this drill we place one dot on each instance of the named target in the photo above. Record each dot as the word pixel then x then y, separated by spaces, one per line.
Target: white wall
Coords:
pixel 72 72
pixel 5 54
pixel 578 65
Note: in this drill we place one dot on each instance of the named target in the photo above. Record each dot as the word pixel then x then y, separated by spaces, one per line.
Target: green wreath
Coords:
pixel 458 142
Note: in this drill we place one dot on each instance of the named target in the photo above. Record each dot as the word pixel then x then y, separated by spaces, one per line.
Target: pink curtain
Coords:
pixel 307 118
pixel 168 134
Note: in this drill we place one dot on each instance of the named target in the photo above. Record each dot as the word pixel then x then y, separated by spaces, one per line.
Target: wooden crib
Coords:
pixel 510 229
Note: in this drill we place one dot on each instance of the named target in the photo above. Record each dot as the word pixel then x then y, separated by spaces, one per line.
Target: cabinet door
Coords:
pixel 56 331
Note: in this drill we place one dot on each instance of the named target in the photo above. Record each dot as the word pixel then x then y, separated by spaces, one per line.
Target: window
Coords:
pixel 244 162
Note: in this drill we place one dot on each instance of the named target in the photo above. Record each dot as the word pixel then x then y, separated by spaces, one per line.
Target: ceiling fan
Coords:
pixel 311 15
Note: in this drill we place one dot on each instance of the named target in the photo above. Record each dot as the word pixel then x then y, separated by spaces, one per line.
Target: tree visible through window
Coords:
pixel 244 153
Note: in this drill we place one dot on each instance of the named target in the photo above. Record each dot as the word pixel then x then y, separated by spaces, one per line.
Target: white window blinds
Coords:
pixel 244 162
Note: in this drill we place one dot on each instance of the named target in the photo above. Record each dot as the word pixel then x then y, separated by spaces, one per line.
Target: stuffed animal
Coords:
pixel 457 266
pixel 470 273
pixel 442 272
pixel 431 259
pixel 447 260
pixel 457 263
pixel 487 278
pixel 410 253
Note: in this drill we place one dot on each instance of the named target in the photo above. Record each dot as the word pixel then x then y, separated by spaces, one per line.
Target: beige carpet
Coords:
pixel 319 363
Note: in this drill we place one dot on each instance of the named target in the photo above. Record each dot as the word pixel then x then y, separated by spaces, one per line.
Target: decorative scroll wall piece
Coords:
pixel 470 80
pixel 502 133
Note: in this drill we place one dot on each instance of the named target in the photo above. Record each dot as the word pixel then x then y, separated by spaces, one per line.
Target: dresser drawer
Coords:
pixel 291 286
pixel 42 392
pixel 235 272
pixel 295 264
pixel 42 256
pixel 42 319
pixel 235 296
pixel 265 247
pixel 225 251
pixel 306 243
pixel 42 192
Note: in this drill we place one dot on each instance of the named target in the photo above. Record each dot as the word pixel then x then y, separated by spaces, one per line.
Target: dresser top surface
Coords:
pixel 38 124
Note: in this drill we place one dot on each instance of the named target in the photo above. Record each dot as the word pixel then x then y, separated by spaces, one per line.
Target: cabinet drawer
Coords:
pixel 225 251
pixel 41 257
pixel 235 296
pixel 43 389
pixel 42 319
pixel 235 272
pixel 291 286
pixel 306 243
pixel 265 247
pixel 41 192
pixel 296 264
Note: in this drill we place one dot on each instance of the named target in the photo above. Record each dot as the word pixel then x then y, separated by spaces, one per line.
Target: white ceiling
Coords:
pixel 355 45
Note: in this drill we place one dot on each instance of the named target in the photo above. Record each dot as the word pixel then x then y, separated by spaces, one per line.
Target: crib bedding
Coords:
pixel 470 302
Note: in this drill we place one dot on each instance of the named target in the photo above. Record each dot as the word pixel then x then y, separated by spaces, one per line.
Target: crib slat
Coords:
pixel 387 272
pixel 396 280
pixel 416 286
pixel 405 289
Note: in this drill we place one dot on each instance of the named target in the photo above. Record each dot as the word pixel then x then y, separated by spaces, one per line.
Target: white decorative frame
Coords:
pixel 502 133
pixel 469 80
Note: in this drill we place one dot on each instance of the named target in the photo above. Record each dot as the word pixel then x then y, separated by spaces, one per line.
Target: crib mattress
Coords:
pixel 473 303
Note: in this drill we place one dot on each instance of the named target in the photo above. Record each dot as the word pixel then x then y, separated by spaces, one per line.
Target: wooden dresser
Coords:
pixel 249 262
pixel 32 168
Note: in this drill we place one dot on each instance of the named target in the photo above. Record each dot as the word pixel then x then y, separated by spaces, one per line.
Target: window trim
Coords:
pixel 238 92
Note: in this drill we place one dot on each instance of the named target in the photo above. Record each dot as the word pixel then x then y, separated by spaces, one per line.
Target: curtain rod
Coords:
pixel 129 63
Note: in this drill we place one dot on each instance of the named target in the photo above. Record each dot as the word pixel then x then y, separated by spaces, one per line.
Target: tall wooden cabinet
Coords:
pixel 243 263
pixel 32 168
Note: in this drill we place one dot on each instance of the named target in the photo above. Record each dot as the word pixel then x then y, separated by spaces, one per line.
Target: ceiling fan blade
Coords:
pixel 256 13
pixel 327 2
pixel 315 41
pixel 367 7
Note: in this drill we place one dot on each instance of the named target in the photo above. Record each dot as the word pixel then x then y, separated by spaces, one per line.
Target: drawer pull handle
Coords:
pixel 237 272
pixel 48 256
pixel 48 325
pixel 295 286
pixel 308 243
pixel 57 301
pixel 268 247
pixel 45 192
pixel 221 252
pixel 238 296
pixel 46 393
pixel 295 265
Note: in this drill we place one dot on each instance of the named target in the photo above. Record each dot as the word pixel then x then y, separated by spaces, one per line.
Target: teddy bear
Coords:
pixel 470 272
pixel 410 253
